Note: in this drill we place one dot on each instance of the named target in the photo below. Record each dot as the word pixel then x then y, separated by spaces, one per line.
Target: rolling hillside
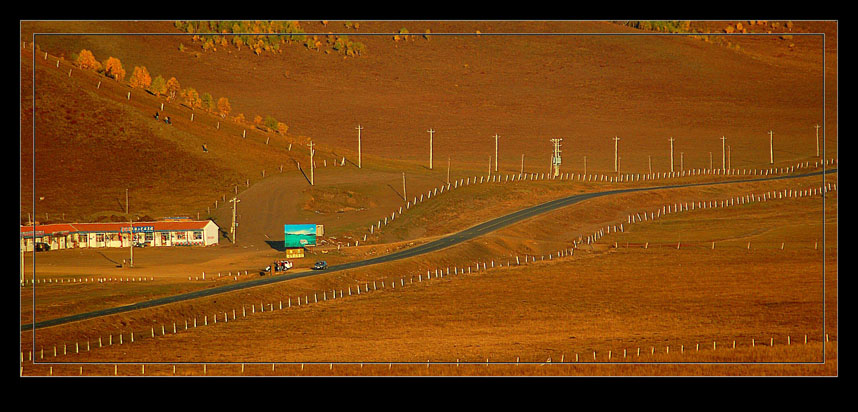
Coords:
pixel 527 88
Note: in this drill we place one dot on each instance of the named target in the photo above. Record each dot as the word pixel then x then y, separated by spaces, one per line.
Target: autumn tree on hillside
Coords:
pixel 158 86
pixel 113 69
pixel 140 78
pixel 282 128
pixel 239 118
pixel 173 89
pixel 271 122
pixel 223 107
pixel 258 120
pixel 207 101
pixel 192 98
pixel 85 60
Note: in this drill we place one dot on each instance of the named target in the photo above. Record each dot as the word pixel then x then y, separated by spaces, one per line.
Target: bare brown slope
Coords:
pixel 91 144
pixel 527 88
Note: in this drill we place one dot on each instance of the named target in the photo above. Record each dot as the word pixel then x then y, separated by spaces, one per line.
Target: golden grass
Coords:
pixel 600 301
pixel 761 360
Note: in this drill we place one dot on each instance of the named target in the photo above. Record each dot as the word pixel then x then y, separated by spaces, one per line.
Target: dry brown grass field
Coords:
pixel 170 269
pixel 604 300
pixel 742 361
pixel 526 98
pixel 655 285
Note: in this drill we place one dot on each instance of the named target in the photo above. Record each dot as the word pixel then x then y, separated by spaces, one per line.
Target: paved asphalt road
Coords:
pixel 432 246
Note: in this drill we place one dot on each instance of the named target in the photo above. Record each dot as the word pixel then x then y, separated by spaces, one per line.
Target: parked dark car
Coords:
pixel 42 247
pixel 320 265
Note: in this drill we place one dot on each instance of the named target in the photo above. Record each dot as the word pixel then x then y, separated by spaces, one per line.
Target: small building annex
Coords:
pixel 98 235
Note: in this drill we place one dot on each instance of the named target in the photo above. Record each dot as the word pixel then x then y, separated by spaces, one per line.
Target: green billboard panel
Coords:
pixel 299 235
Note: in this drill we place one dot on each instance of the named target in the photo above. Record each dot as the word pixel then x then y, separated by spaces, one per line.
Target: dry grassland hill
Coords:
pixel 526 87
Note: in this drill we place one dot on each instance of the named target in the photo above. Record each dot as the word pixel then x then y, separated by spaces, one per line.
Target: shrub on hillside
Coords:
pixel 207 101
pixel 140 78
pixel 192 98
pixel 85 60
pixel 173 89
pixel 258 35
pixel 271 122
pixel 668 26
pixel 113 69
pixel 223 107
pixel 282 128
pixel 356 48
pixel 158 86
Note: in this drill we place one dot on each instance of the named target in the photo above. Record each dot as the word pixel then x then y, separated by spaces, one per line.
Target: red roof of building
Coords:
pixel 49 229
pixel 113 227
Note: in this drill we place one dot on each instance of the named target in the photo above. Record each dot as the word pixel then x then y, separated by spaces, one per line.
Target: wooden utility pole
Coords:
pixel 496 152
pixel 585 165
pixel 723 153
pixel 448 170
pixel 555 158
pixel 359 128
pixel 431 135
pixel 404 196
pixel 729 158
pixel 817 140
pixel 771 148
pixel 616 150
pixel 232 231
pixel 522 164
pixel 671 154
pixel 650 164
pixel 312 164
pixel 681 161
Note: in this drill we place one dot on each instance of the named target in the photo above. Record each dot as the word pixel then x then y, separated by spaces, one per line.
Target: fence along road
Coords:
pixel 435 245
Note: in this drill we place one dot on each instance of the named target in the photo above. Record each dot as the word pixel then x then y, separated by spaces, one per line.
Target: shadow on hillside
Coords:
pixel 305 176
pixel 394 190
pixel 276 245
pixel 111 260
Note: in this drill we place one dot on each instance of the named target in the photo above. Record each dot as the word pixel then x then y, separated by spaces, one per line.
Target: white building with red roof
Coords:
pixel 114 234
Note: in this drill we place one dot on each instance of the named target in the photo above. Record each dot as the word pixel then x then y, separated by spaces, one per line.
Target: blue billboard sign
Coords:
pixel 299 235
pixel 138 229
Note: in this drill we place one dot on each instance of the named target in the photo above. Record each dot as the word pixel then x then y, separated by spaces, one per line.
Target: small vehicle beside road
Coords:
pixel 278 267
pixel 320 265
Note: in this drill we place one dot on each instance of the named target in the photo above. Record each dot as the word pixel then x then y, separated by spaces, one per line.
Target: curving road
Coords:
pixel 435 245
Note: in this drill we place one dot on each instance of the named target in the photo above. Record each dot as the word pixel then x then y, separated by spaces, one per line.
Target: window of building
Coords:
pixel 99 237
pixel 181 235
pixel 198 235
